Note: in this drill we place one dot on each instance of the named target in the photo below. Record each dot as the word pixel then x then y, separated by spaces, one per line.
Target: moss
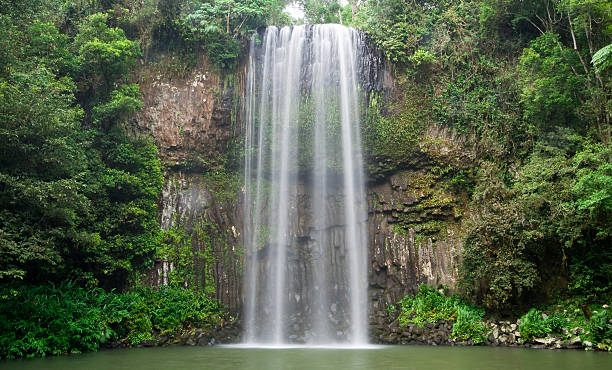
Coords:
pixel 399 229
pixel 225 184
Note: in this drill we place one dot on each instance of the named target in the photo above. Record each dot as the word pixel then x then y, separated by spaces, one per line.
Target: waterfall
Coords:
pixel 305 212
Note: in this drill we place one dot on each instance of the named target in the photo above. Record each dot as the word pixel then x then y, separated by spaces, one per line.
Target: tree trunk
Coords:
pixel 354 7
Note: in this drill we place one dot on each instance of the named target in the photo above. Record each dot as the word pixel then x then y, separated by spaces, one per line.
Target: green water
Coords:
pixel 388 357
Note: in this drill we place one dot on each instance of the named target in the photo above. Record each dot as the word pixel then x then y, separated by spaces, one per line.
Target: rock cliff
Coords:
pixel 191 117
pixel 413 223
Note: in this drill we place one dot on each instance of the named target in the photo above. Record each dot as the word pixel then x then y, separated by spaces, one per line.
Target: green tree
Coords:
pixel 104 55
pixel 222 23
pixel 42 165
pixel 551 92
pixel 322 11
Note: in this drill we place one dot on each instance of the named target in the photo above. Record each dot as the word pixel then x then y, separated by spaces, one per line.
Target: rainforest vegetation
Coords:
pixel 523 86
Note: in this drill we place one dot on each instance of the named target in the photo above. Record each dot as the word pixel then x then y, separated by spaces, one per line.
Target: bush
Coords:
pixel 600 328
pixel 429 305
pixel 533 325
pixel 469 324
pixel 55 320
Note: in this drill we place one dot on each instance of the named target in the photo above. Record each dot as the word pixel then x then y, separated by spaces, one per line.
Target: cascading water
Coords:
pixel 305 208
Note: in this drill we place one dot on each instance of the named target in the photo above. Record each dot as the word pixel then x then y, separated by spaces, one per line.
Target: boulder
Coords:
pixel 577 330
pixel 545 341
pixel 496 332
pixel 574 340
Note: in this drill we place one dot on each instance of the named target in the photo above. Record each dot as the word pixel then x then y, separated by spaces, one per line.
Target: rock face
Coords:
pixel 414 237
pixel 412 223
pixel 211 225
pixel 191 119
pixel 387 330
pixel 190 115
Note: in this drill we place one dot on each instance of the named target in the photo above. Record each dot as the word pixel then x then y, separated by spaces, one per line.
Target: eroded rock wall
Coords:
pixel 189 114
pixel 415 236
pixel 191 117
pixel 413 222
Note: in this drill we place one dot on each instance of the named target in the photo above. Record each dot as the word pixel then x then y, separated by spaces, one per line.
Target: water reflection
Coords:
pixel 379 357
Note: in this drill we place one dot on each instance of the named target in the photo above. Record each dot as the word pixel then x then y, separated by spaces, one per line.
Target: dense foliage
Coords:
pixel 591 323
pixel 431 305
pixel 77 196
pixel 523 88
pixel 223 24
pixel 53 320
pixel 526 87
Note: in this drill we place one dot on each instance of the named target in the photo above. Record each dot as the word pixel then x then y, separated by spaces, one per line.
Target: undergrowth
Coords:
pixel 430 305
pixel 593 323
pixel 56 320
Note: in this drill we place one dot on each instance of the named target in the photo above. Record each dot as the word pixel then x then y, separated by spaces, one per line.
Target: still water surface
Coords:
pixel 379 357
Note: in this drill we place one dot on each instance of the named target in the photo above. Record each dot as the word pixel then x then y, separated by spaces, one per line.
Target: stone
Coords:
pixel 577 330
pixel 496 332
pixel 574 340
pixel 513 327
pixel 586 343
pixel 545 341
pixel 491 338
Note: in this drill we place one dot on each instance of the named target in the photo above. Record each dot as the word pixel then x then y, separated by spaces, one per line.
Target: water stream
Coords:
pixel 306 244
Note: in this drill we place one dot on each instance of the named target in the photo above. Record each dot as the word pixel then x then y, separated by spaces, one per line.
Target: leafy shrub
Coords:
pixel 600 327
pixel 55 320
pixel 49 320
pixel 533 325
pixel 469 324
pixel 556 323
pixel 173 309
pixel 429 305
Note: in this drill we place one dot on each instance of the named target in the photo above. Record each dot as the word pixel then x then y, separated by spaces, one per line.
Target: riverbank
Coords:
pixel 431 317
pixel 501 334
pixel 226 333
pixel 50 320
pixel 67 319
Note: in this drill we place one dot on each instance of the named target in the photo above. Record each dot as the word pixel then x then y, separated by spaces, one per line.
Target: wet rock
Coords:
pixel 545 341
pixel 574 340
pixel 577 330
pixel 491 338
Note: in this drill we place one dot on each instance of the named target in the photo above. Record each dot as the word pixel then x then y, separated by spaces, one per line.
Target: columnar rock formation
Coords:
pixel 193 118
